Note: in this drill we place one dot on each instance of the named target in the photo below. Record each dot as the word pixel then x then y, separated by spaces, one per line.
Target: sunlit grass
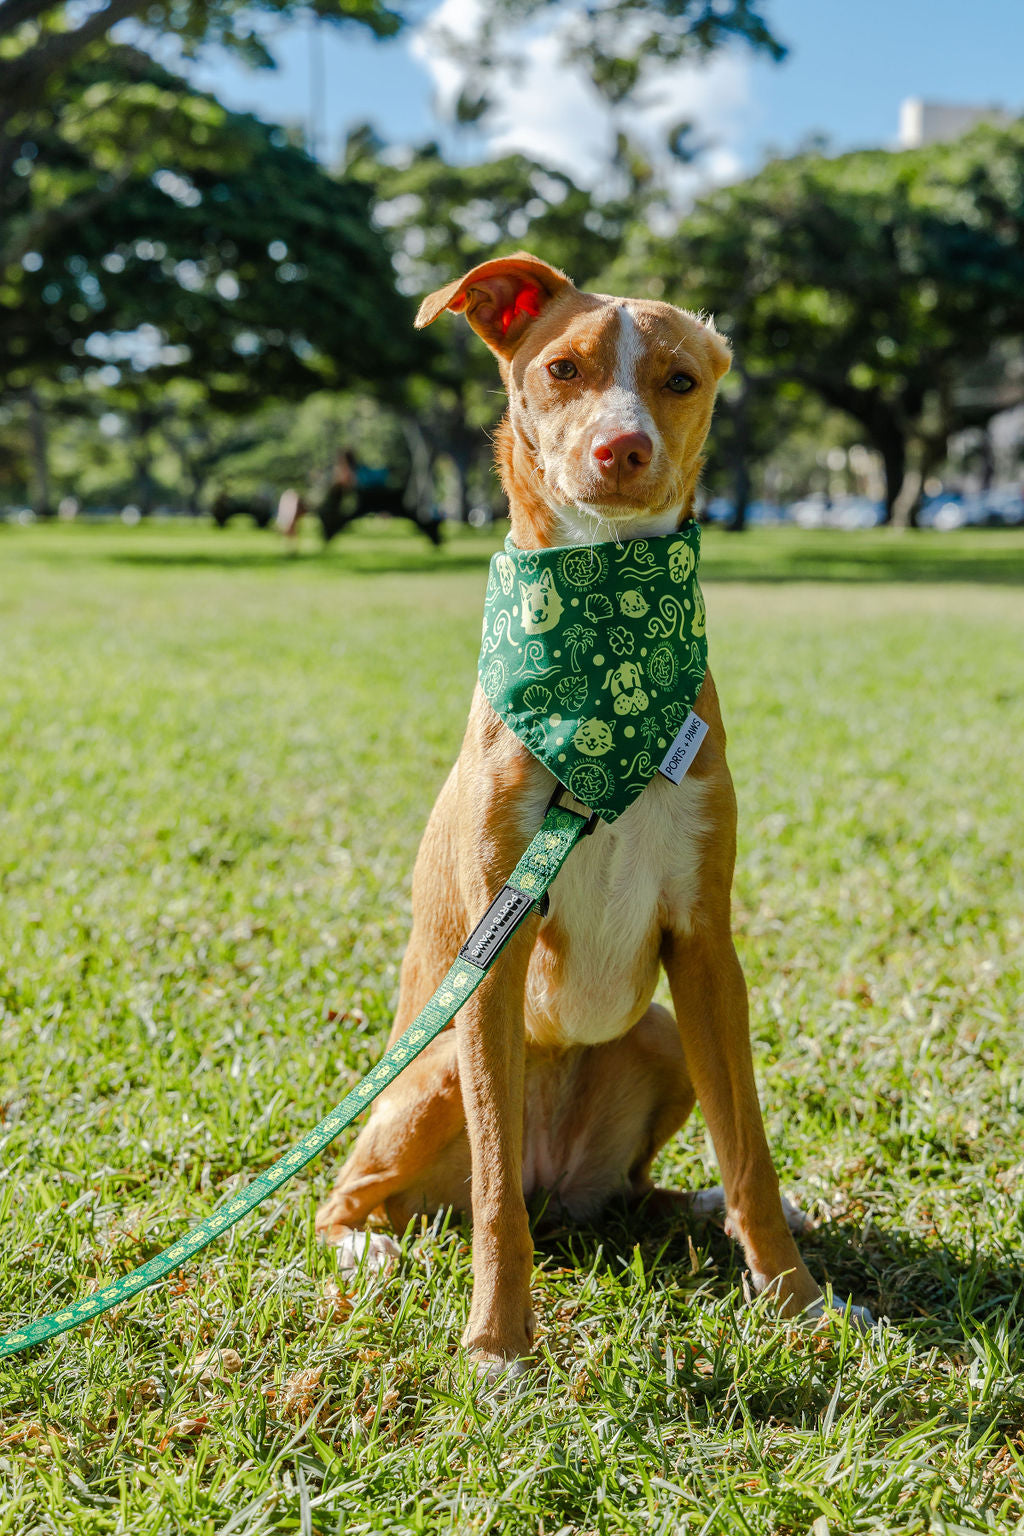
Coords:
pixel 217 761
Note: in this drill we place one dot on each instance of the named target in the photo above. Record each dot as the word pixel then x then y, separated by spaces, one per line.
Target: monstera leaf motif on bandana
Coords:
pixel 532 737
pixel 571 692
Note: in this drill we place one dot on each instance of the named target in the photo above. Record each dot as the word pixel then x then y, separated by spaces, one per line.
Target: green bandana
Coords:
pixel 593 655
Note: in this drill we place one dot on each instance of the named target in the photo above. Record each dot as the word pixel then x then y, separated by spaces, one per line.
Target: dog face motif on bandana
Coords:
pixel 593 655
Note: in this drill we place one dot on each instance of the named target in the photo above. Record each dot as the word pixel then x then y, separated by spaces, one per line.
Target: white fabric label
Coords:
pixel 685 748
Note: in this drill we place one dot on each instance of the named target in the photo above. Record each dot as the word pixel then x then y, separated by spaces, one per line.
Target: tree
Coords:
pixel 875 280
pixel 228 257
pixel 45 44
pixel 42 39
pixel 620 43
pixel 113 172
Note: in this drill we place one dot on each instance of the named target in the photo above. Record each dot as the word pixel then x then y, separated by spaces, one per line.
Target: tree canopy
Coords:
pixel 194 262
pixel 227 254
pixel 41 39
pixel 876 280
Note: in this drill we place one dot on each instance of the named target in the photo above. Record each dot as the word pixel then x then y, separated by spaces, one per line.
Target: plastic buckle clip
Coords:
pixel 577 808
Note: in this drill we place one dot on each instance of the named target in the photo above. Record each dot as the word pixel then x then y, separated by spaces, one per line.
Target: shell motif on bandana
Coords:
pixel 593 655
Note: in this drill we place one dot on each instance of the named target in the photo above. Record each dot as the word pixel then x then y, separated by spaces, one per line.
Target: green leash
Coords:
pixel 560 831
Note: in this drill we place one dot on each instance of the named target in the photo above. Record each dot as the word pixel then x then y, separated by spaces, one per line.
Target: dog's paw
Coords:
pixel 500 1379
pixel 711 1202
pixel 828 1309
pixel 374 1251
pixel 706 1202
pixel 796 1220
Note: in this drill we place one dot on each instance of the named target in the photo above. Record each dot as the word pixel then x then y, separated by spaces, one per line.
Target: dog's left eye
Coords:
pixel 563 369
pixel 681 383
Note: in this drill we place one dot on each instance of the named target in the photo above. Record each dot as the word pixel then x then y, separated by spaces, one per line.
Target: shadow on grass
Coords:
pixel 928 1288
pixel 832 561
pixel 775 556
pixel 921 558
pixel 363 563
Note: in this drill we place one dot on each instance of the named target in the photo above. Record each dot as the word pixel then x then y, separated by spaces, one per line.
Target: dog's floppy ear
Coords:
pixel 499 298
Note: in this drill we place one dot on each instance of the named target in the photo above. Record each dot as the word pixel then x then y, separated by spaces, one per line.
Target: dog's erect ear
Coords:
pixel 721 352
pixel 499 298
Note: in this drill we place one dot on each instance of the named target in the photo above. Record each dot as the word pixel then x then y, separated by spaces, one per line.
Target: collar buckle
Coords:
pixel 561 795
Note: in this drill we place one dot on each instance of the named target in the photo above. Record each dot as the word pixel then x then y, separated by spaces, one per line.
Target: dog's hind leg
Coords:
pixel 411 1155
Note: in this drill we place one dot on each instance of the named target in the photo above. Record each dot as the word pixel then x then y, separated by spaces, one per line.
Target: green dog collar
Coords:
pixel 594 655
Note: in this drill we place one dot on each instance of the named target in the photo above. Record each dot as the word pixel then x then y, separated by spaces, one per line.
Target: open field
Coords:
pixel 216 762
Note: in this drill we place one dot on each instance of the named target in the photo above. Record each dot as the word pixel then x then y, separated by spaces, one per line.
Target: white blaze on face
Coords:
pixel 622 407
pixel 618 409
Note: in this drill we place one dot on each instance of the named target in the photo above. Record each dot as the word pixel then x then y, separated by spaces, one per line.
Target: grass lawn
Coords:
pixel 216 764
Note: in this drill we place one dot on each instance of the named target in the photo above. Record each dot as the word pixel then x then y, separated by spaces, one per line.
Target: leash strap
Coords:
pixel 560 830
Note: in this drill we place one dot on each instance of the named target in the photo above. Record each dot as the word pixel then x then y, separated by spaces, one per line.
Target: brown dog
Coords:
pixel 560 1073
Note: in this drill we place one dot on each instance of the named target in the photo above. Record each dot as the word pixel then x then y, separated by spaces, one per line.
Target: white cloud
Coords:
pixel 553 113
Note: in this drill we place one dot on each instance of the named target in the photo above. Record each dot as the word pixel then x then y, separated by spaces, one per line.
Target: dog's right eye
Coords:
pixel 563 369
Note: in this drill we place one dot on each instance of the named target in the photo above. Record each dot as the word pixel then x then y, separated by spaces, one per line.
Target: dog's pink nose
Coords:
pixel 625 455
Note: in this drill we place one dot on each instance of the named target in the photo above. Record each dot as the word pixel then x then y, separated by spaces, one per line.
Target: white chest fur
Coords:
pixel 595 964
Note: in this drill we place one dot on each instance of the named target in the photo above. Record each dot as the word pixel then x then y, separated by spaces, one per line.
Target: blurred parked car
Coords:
pixel 1005 505
pixel 844 512
pixel 1001 506
pixel 718 510
pixel 721 510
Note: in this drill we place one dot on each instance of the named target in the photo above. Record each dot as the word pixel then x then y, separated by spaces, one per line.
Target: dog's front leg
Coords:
pixel 490 1039
pixel 710 997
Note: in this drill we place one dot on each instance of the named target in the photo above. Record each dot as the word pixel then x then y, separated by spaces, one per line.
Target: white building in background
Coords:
pixel 933 122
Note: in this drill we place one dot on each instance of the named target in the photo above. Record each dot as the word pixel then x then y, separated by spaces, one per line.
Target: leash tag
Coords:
pixel 684 749
pixel 497 926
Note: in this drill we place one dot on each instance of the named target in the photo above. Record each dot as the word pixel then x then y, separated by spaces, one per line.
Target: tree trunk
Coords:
pixel 893 448
pixel 927 454
pixel 41 505
pixel 740 458
pixel 462 447
pixel 420 490
pixel 145 486
pixel 460 459
pixel 196 481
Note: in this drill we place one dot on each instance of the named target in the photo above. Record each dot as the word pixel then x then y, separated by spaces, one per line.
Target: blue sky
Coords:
pixel 851 63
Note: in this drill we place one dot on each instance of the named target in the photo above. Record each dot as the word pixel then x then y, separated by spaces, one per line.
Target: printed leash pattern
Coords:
pixel 559 832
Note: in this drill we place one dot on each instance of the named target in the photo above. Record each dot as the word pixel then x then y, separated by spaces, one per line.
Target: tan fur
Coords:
pixel 560 1073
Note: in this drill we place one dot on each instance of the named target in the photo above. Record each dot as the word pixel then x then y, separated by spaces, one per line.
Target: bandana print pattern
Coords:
pixel 593 656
